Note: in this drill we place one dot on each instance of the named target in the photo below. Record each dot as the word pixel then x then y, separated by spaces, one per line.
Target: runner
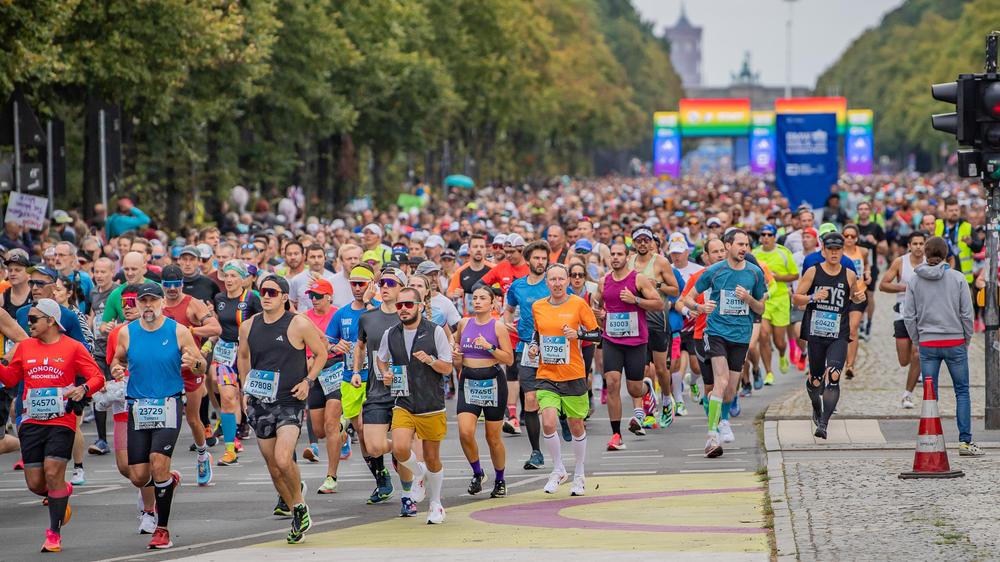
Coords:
pixel 195 315
pixel 48 364
pixel 734 288
pixel 872 238
pixel 561 321
pixel 777 312
pixel 154 350
pixel 316 269
pixel 468 275
pixel 483 346
pixel 413 357
pixel 624 296
pixel 859 256
pixel 895 280
pixel 680 253
pixel 824 290
pixel 714 252
pixel 232 306
pixel 272 361
pixel 797 345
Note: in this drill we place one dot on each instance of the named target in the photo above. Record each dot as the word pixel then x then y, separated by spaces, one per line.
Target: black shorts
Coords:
pixel 707 375
pixel 143 442
pixel 316 400
pixel 525 375
pixel 628 359
pixel 379 413
pixel 659 341
pixel 826 353
pixel 265 419
pixel 735 353
pixel 588 352
pixel 490 413
pixel 899 330
pixel 511 369
pixel 40 442
pixel 857 306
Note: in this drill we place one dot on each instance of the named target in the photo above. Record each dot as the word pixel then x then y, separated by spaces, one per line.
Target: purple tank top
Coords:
pixel 625 324
pixel 471 332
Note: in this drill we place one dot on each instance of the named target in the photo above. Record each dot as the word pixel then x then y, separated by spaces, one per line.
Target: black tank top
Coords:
pixel 9 306
pixel 270 350
pixel 831 311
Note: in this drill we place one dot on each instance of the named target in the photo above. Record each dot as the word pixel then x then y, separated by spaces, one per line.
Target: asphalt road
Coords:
pixel 236 509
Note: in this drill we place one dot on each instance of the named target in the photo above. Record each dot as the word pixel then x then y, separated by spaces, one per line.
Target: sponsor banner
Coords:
pixel 715 117
pixel 859 149
pixel 762 142
pixel 807 163
pixel 833 104
pixel 666 144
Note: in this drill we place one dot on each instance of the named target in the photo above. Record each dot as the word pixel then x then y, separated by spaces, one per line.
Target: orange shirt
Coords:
pixel 699 322
pixel 549 321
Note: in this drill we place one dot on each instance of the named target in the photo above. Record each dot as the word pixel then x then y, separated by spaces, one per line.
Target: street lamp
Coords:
pixel 788 51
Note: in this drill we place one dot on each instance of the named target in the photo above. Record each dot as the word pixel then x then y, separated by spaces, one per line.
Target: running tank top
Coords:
pixel 179 313
pixel 624 324
pixel 827 319
pixel 271 350
pixel 472 331
pixel 9 306
pixel 905 274
pixel 154 361
pixel 859 264
pixel 655 320
pixel 320 322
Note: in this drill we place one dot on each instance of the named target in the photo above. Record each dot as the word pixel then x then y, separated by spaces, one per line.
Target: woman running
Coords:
pixel 858 255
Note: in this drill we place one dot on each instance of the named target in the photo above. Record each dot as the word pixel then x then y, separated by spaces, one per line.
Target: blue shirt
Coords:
pixel 521 293
pixel 344 326
pixel 119 224
pixel 674 318
pixel 154 361
pixel 732 318
pixel 70 323
pixel 816 258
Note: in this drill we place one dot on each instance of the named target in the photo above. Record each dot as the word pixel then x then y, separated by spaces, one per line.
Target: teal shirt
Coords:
pixel 732 318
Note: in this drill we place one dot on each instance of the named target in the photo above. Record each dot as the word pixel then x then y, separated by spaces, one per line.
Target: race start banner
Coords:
pixel 762 142
pixel 831 104
pixel 807 163
pixel 666 144
pixel 859 148
pixel 715 117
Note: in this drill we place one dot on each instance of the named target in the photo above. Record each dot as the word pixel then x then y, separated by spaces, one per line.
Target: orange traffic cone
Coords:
pixel 931 459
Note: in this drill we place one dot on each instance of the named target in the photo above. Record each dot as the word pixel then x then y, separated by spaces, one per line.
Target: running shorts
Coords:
pixel 316 400
pixel 143 442
pixel 266 419
pixel 352 398
pixel 570 397
pixel 40 442
pixel 704 362
pixel 778 313
pixel 735 353
pixel 429 427
pixel 826 353
pixel 525 375
pixel 627 359
pixel 490 413
pixel 377 413
pixel 899 330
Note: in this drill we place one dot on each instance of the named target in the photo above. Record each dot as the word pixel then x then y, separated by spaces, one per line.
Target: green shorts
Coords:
pixel 352 399
pixel 778 313
pixel 573 406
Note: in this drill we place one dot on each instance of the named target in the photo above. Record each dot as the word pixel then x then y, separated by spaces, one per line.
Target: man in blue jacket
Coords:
pixel 129 217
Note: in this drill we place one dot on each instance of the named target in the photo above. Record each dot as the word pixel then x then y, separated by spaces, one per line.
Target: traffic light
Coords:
pixel 975 121
pixel 989 98
pixel 962 121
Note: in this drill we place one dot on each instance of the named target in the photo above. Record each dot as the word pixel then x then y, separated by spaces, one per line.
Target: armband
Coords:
pixel 590 335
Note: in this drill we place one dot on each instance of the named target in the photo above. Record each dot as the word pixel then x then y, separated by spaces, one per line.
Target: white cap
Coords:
pixel 51 309
pixel 453 227
pixel 500 239
pixel 677 247
pixel 337 224
pixel 514 240
pixel 434 241
pixel 713 220
pixel 373 228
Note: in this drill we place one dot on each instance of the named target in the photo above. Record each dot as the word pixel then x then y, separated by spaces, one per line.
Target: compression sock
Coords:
pixel 554 449
pixel 815 392
pixel 203 410
pixel 714 413
pixel 477 468
pixel 370 461
pixel 830 398
pixel 579 453
pixel 101 419
pixel 57 506
pixel 534 428
pixel 434 481
pixel 498 474
pixel 616 427
pixel 164 497
pixel 229 431
pixel 724 413
pixel 677 382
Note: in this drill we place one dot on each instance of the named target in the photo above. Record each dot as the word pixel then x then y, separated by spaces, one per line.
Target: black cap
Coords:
pixel 280 281
pixel 150 290
pixel 833 240
pixel 17 258
pixel 172 273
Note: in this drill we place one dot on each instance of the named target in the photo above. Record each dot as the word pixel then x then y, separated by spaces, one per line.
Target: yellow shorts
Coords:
pixel 779 314
pixel 429 427
pixel 352 398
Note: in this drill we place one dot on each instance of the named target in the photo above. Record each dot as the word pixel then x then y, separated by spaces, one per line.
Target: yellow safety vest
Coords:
pixel 964 251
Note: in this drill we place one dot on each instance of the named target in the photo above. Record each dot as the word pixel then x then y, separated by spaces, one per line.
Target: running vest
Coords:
pixel 472 331
pixel 905 274
pixel 827 319
pixel 154 361
pixel 624 324
pixel 271 350
pixel 179 313
pixel 655 320
pixel 8 304
pixel 424 386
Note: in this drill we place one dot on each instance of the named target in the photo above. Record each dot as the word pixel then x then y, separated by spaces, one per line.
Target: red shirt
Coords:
pixel 112 347
pixel 42 365
pixel 503 274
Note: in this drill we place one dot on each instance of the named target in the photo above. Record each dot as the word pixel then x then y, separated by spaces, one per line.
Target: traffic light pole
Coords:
pixel 991 314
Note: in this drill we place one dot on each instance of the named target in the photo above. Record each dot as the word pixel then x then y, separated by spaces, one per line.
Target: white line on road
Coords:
pixel 527 481
pixel 728 452
pixel 707 470
pixel 99 490
pixel 624 473
pixel 715 461
pixel 629 457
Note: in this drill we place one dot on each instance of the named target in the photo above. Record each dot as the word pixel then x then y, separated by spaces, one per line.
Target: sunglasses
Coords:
pixel 407 305
pixel 32 318
pixel 315 296
pixel 175 284
pixel 270 292
pixel 390 283
pixel 715 226
pixel 578 275
pixel 359 283
pixel 248 247
pixel 642 240
pixel 129 302
pixel 372 263
pixel 851 236
pixel 39 283
pixel 766 234
pixel 497 246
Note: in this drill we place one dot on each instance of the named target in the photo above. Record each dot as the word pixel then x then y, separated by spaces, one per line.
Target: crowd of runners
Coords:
pixel 521 308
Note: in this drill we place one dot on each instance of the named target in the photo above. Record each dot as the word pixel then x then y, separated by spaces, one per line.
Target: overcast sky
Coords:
pixel 821 31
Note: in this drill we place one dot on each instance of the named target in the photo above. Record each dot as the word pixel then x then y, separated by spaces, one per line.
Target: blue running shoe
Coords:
pixel 566 434
pixel 205 470
pixel 407 508
pixel 345 449
pixel 734 408
pixel 535 461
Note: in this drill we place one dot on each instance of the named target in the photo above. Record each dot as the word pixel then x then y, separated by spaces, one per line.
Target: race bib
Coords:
pixel 824 324
pixel 731 305
pixel 331 377
pixel 859 267
pixel 262 385
pixel 400 381
pixel 8 345
pixel 349 360
pixel 623 324
pixel 481 392
pixel 555 350
pixel 45 403
pixel 225 353
pixel 154 413
pixel 527 360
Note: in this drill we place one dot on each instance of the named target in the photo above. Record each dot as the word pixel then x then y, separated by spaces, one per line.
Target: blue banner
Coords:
pixel 666 145
pixel 807 164
pixel 762 142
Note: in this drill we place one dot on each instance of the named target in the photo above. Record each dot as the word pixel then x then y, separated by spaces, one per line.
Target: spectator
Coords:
pixel 128 218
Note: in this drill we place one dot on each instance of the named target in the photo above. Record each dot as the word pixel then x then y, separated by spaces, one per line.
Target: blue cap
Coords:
pixel 583 246
pixel 769 228
pixel 47 271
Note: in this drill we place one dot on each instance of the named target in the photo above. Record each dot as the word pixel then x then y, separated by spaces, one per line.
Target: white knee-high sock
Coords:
pixel 554 448
pixel 434 481
pixel 579 453
pixel 677 382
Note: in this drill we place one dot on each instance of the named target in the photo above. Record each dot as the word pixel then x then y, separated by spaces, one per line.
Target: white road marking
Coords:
pixel 713 470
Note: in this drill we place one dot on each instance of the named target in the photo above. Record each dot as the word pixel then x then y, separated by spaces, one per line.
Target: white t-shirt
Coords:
pixel 299 286
pixel 342 295
pixel 690 269
pixel 444 307
pixel 441 343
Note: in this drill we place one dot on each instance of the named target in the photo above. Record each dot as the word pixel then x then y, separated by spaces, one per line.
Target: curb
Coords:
pixel 784 532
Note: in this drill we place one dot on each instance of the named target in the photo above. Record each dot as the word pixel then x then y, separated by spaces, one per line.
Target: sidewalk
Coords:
pixel 841 499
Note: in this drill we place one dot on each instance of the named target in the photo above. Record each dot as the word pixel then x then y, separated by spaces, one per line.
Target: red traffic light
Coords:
pixel 991 99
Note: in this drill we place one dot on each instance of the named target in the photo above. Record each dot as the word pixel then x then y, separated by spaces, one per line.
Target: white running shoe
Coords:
pixel 579 486
pixel 679 408
pixel 712 447
pixel 79 477
pixel 907 401
pixel 147 523
pixel 726 432
pixel 418 491
pixel 555 479
pixel 435 515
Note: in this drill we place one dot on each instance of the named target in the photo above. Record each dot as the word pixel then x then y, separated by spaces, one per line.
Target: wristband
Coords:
pixel 685 311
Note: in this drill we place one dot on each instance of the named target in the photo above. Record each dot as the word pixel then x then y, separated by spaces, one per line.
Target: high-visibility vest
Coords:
pixel 964 251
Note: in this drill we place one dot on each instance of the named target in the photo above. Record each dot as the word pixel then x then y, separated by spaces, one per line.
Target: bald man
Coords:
pixel 134 269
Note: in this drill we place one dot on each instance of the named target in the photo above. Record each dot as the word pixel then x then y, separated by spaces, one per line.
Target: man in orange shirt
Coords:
pixel 561 321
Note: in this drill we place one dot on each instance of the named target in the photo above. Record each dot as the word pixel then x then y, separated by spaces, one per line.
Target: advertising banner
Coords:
pixel 859 147
pixel 666 144
pixel 807 163
pixel 833 104
pixel 762 142
pixel 715 117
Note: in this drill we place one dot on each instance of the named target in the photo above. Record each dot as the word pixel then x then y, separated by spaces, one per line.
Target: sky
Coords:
pixel 821 31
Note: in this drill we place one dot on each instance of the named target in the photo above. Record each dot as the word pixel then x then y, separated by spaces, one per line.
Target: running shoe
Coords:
pixel 383 491
pixel 511 426
pixel 615 444
pixel 907 401
pixel 100 447
pixel 567 435
pixel 970 450
pixel 695 391
pixel 604 396
pixel 147 522
pixel 407 508
pixel 209 432
pixel 79 477
pixel 229 458
pixel 783 364
pixel 726 432
pixel 555 479
pixel 649 422
pixel 239 444
pixel 758 381
pixel 667 414
pixel 211 441
pixel 19 465
pixel 281 508
pixel 476 484
pixel 329 486
pixel 345 448
pixel 649 398
pixel 53 541
pixel 712 447
pixel 301 522
pixel 205 470
pixel 734 409
pixel 681 409
pixel 435 515
pixel 419 491
pixel 311 453
pixel 769 379
pixel 579 487
pixel 499 489
pixel 160 540
pixel 849 373
pixel 635 426
pixel 820 430
pixel 801 363
pixel 535 461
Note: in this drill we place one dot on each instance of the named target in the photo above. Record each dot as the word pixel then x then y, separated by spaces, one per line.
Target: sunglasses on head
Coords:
pixel 174 284
pixel 407 305
pixel 248 247
pixel 315 296
pixel 32 318
pixel 390 283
